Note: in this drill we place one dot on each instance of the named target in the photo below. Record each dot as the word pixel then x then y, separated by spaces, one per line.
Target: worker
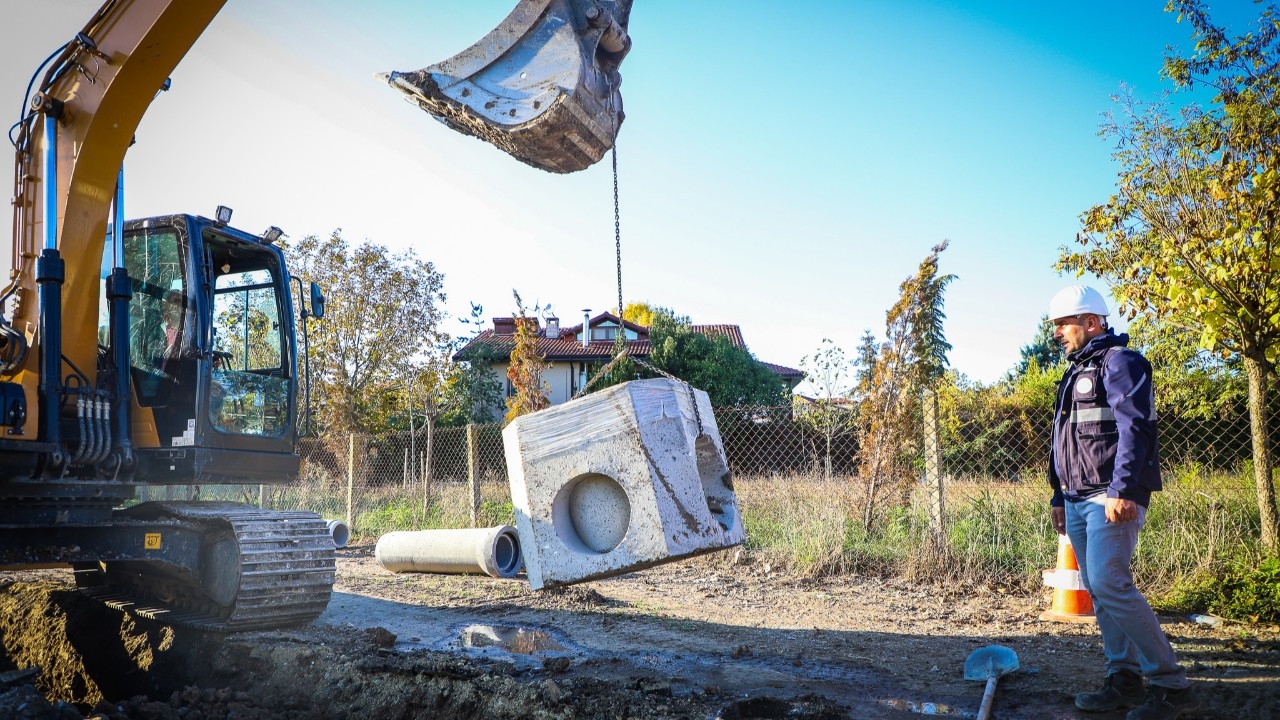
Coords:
pixel 1103 467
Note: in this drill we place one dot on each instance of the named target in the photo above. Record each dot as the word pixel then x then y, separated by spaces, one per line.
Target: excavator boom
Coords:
pixel 543 86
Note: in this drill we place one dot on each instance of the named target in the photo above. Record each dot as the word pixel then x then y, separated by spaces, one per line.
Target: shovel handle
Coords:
pixel 984 710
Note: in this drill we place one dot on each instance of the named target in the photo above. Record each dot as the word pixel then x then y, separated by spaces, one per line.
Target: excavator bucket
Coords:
pixel 542 86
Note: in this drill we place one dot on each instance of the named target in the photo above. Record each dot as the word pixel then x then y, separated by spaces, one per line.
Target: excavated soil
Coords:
pixel 712 638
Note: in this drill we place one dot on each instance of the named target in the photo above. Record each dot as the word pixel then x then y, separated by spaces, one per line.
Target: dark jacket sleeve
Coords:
pixel 1054 481
pixel 1057 500
pixel 1128 382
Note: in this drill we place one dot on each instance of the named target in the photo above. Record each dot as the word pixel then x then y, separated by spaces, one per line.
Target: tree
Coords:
pixel 827 370
pixel 912 357
pixel 640 313
pixel 1189 381
pixel 729 375
pixel 1192 235
pixel 528 391
pixel 1044 351
pixel 472 392
pixel 381 325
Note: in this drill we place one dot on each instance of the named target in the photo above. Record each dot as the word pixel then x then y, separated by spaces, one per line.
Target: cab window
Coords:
pixel 250 382
pixel 158 312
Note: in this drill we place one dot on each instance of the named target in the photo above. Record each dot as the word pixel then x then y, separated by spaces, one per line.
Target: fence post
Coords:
pixel 262 495
pixel 404 474
pixel 351 472
pixel 473 469
pixel 933 467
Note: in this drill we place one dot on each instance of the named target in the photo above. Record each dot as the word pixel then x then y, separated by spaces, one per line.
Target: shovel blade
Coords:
pixel 542 86
pixel 985 662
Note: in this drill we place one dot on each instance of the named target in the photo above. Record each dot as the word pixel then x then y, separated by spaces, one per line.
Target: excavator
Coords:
pixel 163 351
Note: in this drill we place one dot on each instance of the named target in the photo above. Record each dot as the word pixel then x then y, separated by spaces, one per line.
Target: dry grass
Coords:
pixel 998 532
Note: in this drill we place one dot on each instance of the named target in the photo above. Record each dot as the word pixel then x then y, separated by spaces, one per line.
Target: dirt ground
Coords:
pixel 716 637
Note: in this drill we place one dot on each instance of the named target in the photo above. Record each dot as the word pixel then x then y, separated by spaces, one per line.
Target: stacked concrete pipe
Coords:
pixel 492 551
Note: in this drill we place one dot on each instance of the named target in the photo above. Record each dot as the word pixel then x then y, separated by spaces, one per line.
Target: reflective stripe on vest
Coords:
pixel 1099 414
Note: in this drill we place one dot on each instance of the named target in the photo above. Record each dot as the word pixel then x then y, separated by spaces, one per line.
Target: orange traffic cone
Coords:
pixel 1071 601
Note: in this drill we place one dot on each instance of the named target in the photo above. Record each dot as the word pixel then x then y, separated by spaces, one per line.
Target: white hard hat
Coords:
pixel 1077 300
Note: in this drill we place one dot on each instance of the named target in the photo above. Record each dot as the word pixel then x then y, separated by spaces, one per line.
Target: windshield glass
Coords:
pixel 250 388
pixel 158 312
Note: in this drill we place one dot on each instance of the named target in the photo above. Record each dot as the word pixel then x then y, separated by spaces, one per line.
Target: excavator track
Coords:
pixel 260 569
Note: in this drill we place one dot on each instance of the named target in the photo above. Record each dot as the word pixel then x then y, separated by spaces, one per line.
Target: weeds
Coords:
pixel 1201 534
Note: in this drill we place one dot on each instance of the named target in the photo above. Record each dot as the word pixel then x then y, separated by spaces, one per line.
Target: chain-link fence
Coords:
pixel 954 456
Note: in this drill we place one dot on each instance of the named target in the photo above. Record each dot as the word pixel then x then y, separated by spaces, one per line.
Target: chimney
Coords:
pixel 586 327
pixel 553 328
pixel 504 326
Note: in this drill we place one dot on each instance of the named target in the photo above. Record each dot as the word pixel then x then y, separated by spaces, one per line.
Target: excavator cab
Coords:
pixel 213 356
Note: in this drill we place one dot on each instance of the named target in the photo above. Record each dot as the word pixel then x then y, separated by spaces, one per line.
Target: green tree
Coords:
pixel 1044 351
pixel 1191 235
pixel 1189 380
pixel 865 365
pixel 472 392
pixel 729 375
pixel 529 392
pixel 921 305
pixel 381 325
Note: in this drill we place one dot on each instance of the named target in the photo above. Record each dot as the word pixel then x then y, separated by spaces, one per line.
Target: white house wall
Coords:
pixel 557 376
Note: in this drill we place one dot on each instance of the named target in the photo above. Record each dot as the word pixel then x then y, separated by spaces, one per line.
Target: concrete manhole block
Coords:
pixel 620 480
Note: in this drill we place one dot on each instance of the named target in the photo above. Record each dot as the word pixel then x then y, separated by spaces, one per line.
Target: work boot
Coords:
pixel 1163 703
pixel 1122 689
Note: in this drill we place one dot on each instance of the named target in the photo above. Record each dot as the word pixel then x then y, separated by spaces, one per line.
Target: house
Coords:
pixel 573 354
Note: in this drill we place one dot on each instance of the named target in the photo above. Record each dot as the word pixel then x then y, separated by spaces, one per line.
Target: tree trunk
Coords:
pixel 413 444
pixel 827 460
pixel 1258 412
pixel 426 466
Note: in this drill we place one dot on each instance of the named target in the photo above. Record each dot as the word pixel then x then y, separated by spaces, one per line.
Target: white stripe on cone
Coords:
pixel 1063 579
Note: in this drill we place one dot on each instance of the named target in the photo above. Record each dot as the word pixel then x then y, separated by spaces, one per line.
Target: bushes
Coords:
pixel 1241 592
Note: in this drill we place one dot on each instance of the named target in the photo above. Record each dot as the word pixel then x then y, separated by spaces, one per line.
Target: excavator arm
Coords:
pixel 70 148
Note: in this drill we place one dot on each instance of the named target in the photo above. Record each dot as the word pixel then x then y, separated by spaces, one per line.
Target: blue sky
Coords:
pixel 783 165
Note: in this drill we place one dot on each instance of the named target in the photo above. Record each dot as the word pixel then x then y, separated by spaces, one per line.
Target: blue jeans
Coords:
pixel 1131 636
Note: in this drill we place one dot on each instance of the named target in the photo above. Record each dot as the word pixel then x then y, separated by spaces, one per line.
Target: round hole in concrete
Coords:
pixel 592 513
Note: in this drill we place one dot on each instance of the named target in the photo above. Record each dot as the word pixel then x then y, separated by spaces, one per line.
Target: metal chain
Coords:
pixel 617 246
pixel 617 232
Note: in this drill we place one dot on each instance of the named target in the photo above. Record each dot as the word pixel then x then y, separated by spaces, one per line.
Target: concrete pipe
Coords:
pixel 493 551
pixel 340 533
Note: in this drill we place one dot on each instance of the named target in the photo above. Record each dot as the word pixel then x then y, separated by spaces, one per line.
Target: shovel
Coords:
pixel 989 663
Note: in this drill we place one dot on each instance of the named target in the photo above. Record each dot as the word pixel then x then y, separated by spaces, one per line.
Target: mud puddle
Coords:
pixel 518 640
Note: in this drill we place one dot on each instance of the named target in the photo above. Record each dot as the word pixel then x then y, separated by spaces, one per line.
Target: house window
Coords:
pixel 604 332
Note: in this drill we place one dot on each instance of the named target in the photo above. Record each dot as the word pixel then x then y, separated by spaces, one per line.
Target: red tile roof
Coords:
pixel 782 370
pixel 565 347
pixel 732 332
pixel 568 347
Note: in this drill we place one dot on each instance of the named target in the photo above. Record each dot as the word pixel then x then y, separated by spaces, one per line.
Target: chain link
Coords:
pixel 617 233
